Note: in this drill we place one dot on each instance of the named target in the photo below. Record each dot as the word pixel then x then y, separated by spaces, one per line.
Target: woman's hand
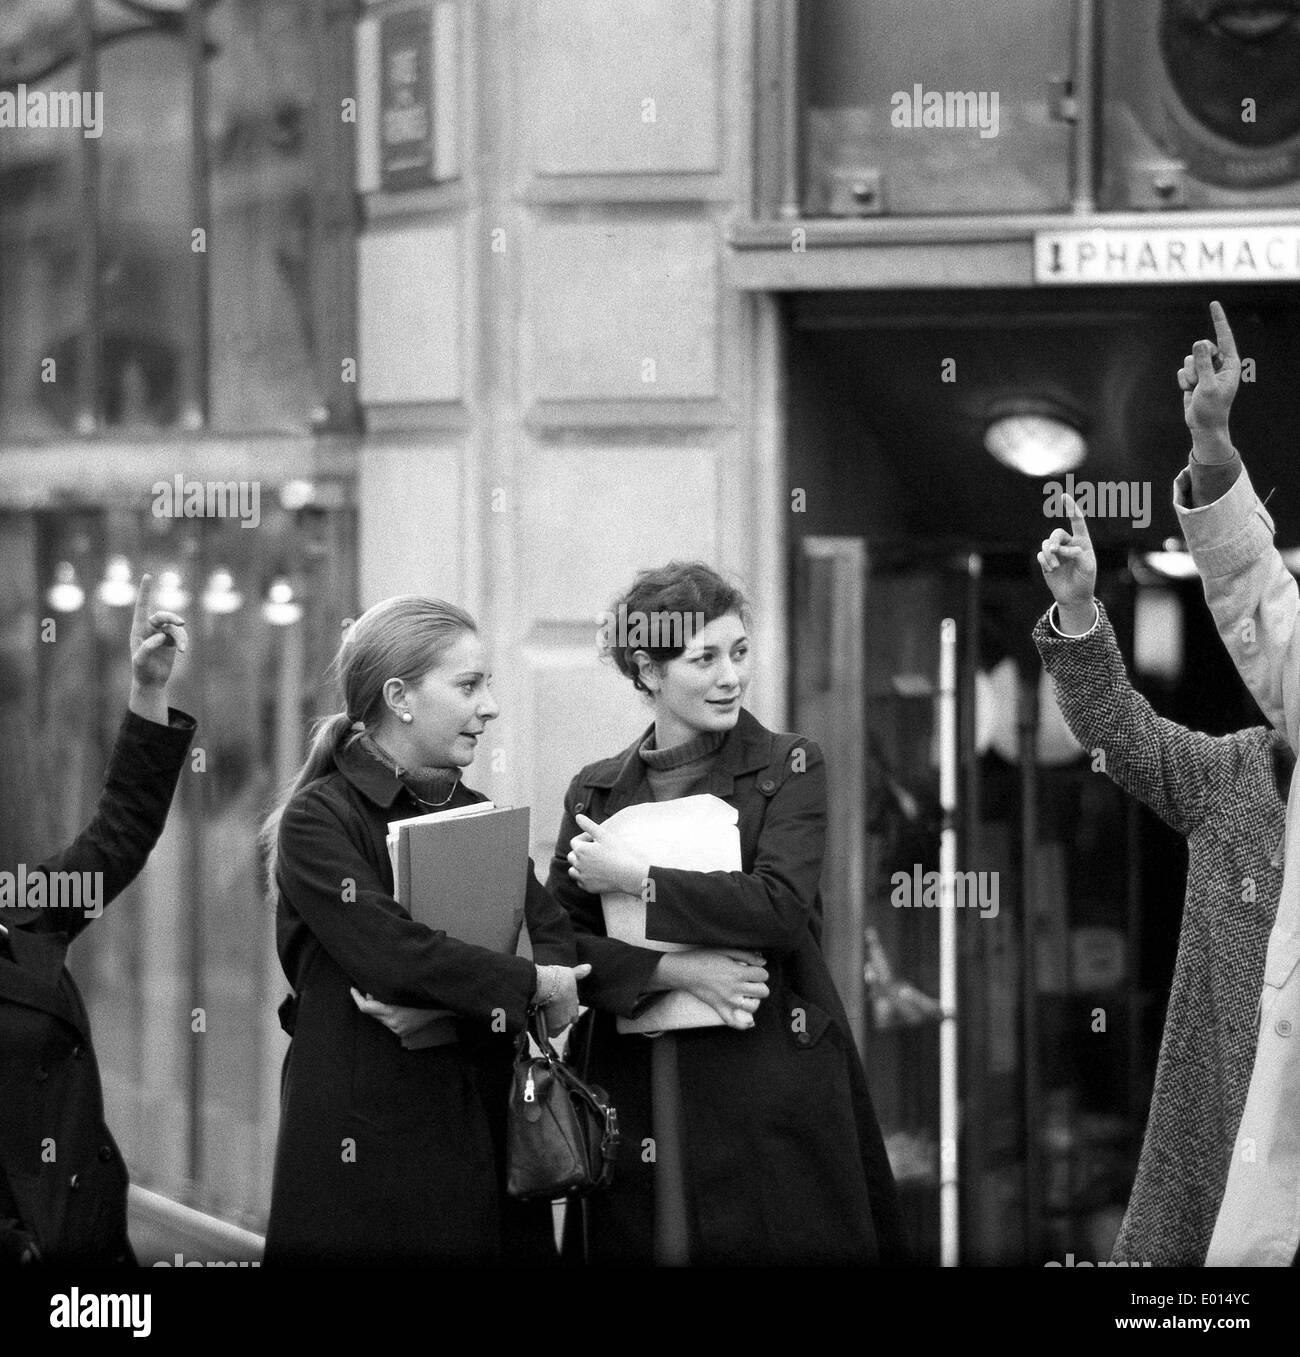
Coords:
pixel 156 637
pixel 1209 379
pixel 732 982
pixel 1069 566
pixel 600 862
pixel 557 994
pixel 400 1021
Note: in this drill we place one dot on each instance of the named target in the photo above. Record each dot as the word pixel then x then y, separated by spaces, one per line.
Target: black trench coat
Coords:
pixel 387 1155
pixel 50 1098
pixel 783 1157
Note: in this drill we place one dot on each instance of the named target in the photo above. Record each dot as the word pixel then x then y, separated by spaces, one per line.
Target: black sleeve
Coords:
pixel 549 928
pixel 132 809
pixel 330 883
pixel 621 974
pixel 768 907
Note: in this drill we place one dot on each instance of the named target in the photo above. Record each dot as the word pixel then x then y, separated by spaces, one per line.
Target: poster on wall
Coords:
pixel 406 100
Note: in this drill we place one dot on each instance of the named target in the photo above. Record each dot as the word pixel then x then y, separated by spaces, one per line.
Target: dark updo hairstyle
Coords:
pixel 662 598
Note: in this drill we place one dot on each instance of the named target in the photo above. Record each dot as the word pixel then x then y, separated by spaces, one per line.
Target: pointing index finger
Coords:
pixel 1223 331
pixel 143 598
pixel 1078 524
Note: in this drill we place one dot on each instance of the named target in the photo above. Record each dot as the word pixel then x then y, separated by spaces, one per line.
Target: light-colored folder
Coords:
pixel 463 872
pixel 698 833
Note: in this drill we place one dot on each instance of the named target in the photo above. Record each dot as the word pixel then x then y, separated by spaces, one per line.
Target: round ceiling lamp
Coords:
pixel 1035 440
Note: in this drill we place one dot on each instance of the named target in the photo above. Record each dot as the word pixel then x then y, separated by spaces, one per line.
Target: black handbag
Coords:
pixel 561 1133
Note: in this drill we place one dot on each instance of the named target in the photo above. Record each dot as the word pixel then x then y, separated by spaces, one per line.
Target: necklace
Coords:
pixel 432 779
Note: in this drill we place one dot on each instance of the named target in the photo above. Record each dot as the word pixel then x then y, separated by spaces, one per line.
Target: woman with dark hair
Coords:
pixel 390 1154
pixel 753 1141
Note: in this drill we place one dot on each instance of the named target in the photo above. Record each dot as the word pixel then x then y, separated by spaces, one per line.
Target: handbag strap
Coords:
pixel 537 1028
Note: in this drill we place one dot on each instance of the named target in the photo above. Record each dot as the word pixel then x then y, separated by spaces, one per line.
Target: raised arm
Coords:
pixel 1175 771
pixel 141 778
pixel 1251 593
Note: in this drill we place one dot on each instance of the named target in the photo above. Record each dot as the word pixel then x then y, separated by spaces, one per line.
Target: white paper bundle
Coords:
pixel 698 834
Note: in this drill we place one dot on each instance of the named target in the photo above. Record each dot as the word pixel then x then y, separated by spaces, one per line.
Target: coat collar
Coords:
pixel 32 977
pixel 375 782
pixel 382 787
pixel 747 748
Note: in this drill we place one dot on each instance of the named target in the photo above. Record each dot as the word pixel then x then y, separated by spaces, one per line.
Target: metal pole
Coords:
pixel 948 1109
pixel 973 954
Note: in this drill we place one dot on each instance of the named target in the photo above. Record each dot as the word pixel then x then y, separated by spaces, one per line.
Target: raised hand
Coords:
pixel 156 637
pixel 1209 378
pixel 1069 566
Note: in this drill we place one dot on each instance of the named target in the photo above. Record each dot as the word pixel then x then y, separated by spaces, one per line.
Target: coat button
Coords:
pixel 78 1052
pixel 42 1075
pixel 1283 1027
pixel 580 807
pixel 803 1038
pixel 105 1153
pixel 767 785
pixel 75 1181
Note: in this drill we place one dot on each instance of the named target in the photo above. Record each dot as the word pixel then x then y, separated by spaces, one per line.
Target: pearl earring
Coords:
pixel 407 717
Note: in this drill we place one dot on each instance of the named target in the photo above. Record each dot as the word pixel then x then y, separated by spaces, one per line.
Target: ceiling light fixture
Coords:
pixel 1035 438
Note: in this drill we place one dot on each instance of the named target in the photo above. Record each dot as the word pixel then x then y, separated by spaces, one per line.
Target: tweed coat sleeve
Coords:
pixel 129 817
pixel 330 883
pixel 1179 773
pixel 1251 594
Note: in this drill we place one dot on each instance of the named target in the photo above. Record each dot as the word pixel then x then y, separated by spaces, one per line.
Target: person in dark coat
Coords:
pixel 63 1183
pixel 392 1151
pixel 776 1156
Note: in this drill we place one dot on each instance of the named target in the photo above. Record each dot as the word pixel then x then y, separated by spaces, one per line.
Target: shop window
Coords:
pixel 923 106
pixel 188 266
pixel 180 975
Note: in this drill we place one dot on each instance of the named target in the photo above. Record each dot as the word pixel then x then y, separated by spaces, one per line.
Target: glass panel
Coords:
pixel 1202 104
pixel 181 976
pixel 880 76
pixel 40 293
pixel 146 260
pixel 260 105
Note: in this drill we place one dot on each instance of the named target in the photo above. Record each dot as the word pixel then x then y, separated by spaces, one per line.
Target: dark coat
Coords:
pixel 387 1154
pixel 784 1161
pixel 50 1097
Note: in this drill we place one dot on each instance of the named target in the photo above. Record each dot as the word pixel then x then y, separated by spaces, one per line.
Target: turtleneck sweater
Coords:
pixel 673 772
pixel 431 787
